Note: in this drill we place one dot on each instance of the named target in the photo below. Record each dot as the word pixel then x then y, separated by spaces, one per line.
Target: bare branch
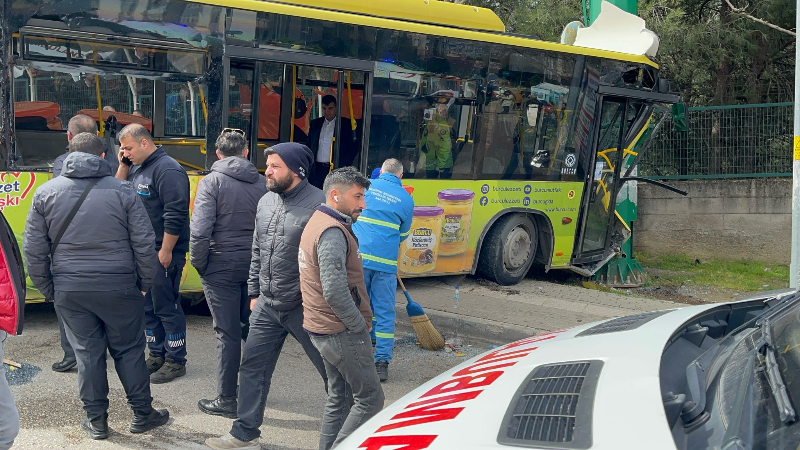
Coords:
pixel 741 12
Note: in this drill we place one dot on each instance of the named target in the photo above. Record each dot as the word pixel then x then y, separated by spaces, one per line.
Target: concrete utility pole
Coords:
pixel 794 269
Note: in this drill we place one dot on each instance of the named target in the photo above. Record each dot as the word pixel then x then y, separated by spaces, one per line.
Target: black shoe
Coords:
pixel 154 363
pixel 65 364
pixel 156 418
pixel 97 428
pixel 168 372
pixel 383 370
pixel 220 406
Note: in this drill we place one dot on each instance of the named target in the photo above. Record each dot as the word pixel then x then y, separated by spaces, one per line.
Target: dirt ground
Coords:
pixel 683 293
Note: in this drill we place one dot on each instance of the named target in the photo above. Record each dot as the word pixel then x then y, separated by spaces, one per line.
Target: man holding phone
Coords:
pixel 163 186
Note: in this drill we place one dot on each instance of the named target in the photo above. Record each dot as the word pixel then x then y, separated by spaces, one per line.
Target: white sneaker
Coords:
pixel 229 442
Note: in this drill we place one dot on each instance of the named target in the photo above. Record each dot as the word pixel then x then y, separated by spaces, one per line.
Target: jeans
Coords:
pixel 382 288
pixel 348 361
pixel 164 320
pixel 268 331
pixel 9 417
pixel 227 299
pixel 107 319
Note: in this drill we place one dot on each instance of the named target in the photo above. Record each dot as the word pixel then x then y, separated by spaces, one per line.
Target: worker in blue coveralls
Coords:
pixel 380 229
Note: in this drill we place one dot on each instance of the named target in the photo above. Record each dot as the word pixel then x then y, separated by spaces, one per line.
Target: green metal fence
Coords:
pixel 736 141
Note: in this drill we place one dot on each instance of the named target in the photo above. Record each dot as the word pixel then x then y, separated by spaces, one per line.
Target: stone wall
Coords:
pixel 726 219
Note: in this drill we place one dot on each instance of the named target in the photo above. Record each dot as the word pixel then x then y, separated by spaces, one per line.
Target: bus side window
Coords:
pixel 45 101
pixel 524 119
pixel 184 114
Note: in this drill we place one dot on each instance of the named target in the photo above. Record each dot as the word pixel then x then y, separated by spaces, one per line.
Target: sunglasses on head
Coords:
pixel 233 130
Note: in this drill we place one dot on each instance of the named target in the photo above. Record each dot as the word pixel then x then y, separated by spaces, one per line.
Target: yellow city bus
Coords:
pixel 512 146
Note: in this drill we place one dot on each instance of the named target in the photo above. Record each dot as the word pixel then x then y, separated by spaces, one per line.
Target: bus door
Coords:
pixel 316 89
pixel 600 196
pixel 277 96
pixel 619 126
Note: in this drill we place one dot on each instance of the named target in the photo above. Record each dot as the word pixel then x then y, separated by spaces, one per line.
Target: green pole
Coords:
pixel 585 20
pixel 625 5
pixel 623 271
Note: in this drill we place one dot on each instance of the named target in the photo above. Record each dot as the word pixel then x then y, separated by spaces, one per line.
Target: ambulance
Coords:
pixel 715 376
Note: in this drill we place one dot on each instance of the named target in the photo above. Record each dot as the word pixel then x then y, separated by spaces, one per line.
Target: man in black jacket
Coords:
pixel 274 288
pixel 96 264
pixel 221 234
pixel 321 133
pixel 163 186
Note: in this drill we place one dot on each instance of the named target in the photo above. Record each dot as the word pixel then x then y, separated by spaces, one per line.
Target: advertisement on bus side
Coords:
pixel 451 216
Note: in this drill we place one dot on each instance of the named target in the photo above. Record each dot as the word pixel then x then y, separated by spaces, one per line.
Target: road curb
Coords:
pixel 473 330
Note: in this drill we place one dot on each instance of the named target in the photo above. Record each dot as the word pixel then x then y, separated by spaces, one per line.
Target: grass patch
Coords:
pixel 736 275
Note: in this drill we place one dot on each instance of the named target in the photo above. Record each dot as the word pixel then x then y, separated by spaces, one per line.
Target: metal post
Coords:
pixel 623 271
pixel 794 268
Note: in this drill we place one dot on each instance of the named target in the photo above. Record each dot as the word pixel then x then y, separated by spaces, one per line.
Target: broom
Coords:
pixel 428 337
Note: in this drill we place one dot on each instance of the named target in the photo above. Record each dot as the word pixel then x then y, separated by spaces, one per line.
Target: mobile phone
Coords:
pixel 127 161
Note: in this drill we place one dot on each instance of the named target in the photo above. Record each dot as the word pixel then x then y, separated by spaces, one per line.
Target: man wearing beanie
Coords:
pixel 274 288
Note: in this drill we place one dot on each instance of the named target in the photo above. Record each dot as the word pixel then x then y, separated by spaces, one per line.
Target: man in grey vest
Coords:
pixel 89 245
pixel 221 233
pixel 336 306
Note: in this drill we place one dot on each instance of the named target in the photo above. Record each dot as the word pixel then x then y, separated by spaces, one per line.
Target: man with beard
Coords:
pixel 274 288
pixel 336 306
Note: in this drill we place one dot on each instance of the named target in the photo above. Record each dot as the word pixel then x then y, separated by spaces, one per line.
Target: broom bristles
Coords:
pixel 428 337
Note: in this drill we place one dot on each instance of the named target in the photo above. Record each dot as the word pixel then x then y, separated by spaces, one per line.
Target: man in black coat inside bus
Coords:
pixel 321 132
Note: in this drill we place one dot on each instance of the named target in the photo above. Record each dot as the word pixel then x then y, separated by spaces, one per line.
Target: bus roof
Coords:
pixel 422 11
pixel 457 21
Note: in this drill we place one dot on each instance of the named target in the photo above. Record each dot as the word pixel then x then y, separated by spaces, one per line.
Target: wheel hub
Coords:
pixel 517 248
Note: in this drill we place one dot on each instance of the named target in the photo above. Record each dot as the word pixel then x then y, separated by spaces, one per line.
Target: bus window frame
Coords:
pixel 239 54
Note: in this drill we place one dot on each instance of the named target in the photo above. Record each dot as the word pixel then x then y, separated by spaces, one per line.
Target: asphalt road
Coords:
pixel 51 411
pixel 485 314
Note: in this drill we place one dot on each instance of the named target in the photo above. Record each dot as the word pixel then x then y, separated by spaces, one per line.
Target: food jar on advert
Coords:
pixel 456 219
pixel 418 252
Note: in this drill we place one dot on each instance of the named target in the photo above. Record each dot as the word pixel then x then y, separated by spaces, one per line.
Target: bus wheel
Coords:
pixel 508 250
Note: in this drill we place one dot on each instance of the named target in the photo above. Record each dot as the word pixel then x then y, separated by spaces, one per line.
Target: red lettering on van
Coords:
pixel 428 413
pixel 412 442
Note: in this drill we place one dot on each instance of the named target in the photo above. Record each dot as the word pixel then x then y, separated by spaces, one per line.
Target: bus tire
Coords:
pixel 508 250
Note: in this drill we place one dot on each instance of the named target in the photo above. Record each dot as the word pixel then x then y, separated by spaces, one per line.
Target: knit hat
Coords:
pixel 297 157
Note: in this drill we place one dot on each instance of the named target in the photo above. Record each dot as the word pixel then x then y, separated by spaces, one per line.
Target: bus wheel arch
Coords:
pixel 511 244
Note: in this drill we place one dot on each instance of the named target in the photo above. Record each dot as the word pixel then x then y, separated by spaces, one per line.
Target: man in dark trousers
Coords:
pixel 274 288
pixel 336 306
pixel 221 234
pixel 163 186
pixel 77 124
pixel 96 262
pixel 321 132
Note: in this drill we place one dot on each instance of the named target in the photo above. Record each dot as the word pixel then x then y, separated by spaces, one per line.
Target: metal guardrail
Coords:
pixel 733 141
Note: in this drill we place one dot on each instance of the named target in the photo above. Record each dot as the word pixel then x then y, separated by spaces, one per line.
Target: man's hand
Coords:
pixel 143 293
pixel 165 257
pixel 369 327
pixel 253 303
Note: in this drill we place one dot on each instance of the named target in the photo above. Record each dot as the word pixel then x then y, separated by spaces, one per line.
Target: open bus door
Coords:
pixel 621 119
